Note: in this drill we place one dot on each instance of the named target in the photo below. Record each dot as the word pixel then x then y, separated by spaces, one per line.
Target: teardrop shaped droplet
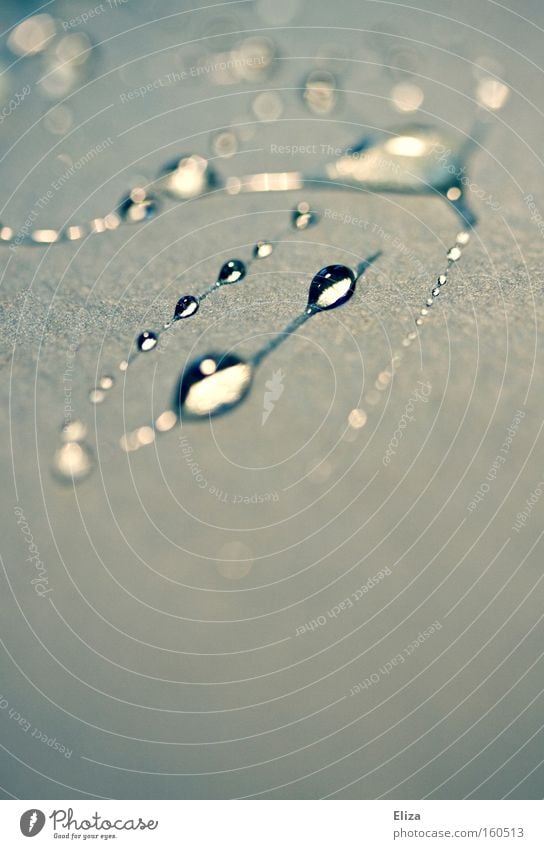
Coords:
pixel 186 307
pixel 231 272
pixel 414 159
pixel 137 206
pixel 73 461
pixel 262 250
pixel 332 286
pixel 187 177
pixel 212 385
pixel 303 217
pixel 147 340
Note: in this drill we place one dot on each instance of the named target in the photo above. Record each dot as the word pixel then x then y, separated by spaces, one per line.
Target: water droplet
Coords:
pixel 303 217
pixel 492 93
pixel 262 250
pixel 267 106
pixel 74 431
pixel 32 35
pixel 165 421
pixel 147 340
pixel 357 419
pixel 231 272
pixel 187 177
pixel 186 307
pixel 435 292
pixel 407 97
pixel 212 385
pixel 332 286
pixel 320 93
pixel 463 238
pixel 137 206
pixel 416 159
pixel 106 382
pixel 454 254
pixel 73 461
pixel 442 280
pixel 96 396
pixel 225 144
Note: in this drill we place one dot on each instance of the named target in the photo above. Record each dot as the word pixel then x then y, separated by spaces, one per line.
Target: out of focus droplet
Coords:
pixel 407 97
pixel 187 177
pixel 320 93
pixel 357 419
pixel 74 431
pixel 32 35
pixel 492 93
pixel 267 106
pixel 225 144
pixel 58 120
pixel 237 560
pixel 73 461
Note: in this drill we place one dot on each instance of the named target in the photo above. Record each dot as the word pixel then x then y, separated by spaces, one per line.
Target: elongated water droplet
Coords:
pixel 303 217
pixel 137 206
pixel 416 158
pixel 147 340
pixel 73 461
pixel 332 286
pixel 231 272
pixel 186 307
pixel 262 250
pixel 212 385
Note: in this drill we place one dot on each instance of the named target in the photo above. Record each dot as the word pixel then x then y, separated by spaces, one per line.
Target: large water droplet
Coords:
pixel 212 385
pixel 416 158
pixel 332 286
pixel 137 206
pixel 73 461
pixel 186 307
pixel 231 272
pixel 187 177
pixel 147 340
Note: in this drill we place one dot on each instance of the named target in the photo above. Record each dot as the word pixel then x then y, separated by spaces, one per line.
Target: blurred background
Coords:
pixel 334 590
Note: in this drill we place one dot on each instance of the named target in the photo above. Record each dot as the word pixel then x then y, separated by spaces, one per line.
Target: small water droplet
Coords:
pixel 303 217
pixel 137 206
pixel 73 461
pixel 463 238
pixel 320 92
pixel 231 272
pixel 74 431
pixel 96 396
pixel 442 280
pixel 262 250
pixel 454 254
pixel 357 419
pixel 147 340
pixel 165 421
pixel 212 385
pixel 106 382
pixel 185 307
pixel 435 292
pixel 332 286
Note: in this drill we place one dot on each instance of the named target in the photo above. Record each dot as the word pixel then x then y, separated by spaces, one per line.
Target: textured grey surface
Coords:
pixel 165 677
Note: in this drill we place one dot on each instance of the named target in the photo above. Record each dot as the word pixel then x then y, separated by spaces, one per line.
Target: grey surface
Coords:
pixel 165 678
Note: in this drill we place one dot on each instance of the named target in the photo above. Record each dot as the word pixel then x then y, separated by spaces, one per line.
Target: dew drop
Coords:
pixel 137 206
pixel 303 217
pixel 231 272
pixel 415 159
pixel 331 287
pixel 74 431
pixel 212 385
pixel 454 254
pixel 106 382
pixel 185 307
pixel 147 340
pixel 187 177
pixel 262 250
pixel 435 292
pixel 73 461
pixel 96 396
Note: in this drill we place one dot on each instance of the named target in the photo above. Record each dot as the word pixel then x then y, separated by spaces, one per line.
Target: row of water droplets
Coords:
pixel 73 460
